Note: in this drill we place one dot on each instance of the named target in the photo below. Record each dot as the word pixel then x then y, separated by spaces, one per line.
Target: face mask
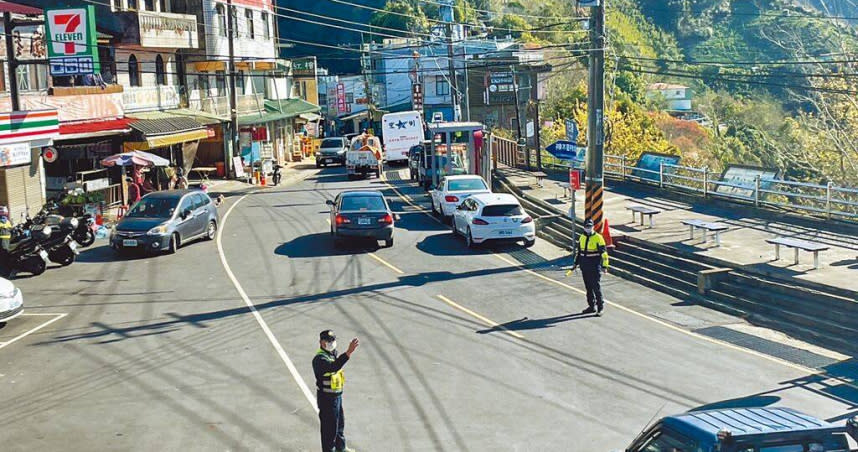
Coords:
pixel 588 231
pixel 330 346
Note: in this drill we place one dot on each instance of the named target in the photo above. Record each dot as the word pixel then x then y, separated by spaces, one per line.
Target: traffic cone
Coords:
pixel 606 234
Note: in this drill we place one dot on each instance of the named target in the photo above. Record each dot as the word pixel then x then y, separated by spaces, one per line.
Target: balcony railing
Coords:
pixel 219 105
pixel 175 31
pixel 151 98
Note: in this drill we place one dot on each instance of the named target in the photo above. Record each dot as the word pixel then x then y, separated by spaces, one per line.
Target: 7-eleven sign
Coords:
pixel 72 45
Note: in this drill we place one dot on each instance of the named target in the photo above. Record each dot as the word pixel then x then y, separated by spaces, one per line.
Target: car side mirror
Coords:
pixel 329 202
pixel 186 213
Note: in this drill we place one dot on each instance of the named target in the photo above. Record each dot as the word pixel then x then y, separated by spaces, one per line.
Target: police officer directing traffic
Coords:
pixel 592 257
pixel 328 368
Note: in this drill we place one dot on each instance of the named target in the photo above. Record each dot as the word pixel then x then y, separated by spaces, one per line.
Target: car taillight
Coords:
pixel 342 220
pixel 526 220
pixel 387 219
pixel 480 222
pixel 450 198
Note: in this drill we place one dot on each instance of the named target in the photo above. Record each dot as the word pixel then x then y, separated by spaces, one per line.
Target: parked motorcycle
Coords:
pixel 26 253
pixel 84 235
pixel 84 232
pixel 61 247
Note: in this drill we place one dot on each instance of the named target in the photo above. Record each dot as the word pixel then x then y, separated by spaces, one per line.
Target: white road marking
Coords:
pixel 33 330
pixel 262 324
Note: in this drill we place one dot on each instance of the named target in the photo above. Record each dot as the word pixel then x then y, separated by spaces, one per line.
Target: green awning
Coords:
pixel 276 110
pixel 292 107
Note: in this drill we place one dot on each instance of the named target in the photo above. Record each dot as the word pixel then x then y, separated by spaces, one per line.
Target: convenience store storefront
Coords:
pixel 23 136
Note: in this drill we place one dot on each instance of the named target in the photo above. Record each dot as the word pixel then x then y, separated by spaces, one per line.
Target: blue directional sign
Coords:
pixel 564 150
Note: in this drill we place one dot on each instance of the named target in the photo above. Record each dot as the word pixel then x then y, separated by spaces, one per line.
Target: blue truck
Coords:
pixel 769 429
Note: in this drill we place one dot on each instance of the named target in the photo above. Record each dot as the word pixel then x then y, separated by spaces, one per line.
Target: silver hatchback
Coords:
pixel 163 221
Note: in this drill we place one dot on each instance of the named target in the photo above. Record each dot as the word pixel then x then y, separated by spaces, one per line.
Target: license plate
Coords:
pixel 364 220
pixel 329 160
pixel 128 242
pixel 505 232
pixel 73 245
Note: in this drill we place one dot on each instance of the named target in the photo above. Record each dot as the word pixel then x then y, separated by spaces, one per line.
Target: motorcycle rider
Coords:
pixel 277 174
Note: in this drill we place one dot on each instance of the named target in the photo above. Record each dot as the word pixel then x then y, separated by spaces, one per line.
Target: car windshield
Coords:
pixel 153 208
pixel 332 143
pixel 361 203
pixel 466 184
pixel 505 210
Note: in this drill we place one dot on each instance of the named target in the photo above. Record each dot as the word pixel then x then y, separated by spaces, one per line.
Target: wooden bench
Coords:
pixel 707 226
pixel 797 244
pixel 540 176
pixel 644 211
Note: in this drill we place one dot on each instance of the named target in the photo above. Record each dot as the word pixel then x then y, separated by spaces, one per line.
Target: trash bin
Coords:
pixel 221 169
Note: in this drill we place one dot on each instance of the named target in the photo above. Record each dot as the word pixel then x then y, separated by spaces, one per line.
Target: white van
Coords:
pixel 401 132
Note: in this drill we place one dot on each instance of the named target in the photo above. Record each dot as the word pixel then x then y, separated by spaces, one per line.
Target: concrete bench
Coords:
pixel 644 211
pixel 797 244
pixel 706 226
pixel 540 176
pixel 567 188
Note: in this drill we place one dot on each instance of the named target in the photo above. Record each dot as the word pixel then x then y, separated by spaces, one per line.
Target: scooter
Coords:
pixel 277 175
pixel 25 253
pixel 84 235
pixel 59 243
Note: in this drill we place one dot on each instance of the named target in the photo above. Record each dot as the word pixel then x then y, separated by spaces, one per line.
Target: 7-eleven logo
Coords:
pixel 67 31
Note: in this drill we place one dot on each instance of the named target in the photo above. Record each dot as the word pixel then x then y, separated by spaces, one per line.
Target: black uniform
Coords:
pixel 327 366
pixel 592 257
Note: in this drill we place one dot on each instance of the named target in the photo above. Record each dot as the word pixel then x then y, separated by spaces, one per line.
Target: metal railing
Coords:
pixel 829 200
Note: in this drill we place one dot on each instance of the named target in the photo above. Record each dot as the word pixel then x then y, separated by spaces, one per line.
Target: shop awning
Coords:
pixel 159 129
pixel 310 117
pixel 94 129
pixel 7 7
pixel 276 110
pixel 357 115
pixel 201 117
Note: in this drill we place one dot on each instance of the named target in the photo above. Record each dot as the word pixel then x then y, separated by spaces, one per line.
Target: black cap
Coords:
pixel 588 224
pixel 327 336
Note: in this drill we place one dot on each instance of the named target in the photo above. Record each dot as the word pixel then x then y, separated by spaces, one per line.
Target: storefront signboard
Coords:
pixel 15 154
pixel 25 126
pixel 72 46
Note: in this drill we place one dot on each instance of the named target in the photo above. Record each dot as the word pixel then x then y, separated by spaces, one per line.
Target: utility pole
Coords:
pixel 12 62
pixel 519 139
pixel 534 96
pixel 233 96
pixel 454 88
pixel 467 84
pixel 366 85
pixel 595 120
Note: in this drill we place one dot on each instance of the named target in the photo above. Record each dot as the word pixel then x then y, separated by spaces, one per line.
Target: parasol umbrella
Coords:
pixel 140 158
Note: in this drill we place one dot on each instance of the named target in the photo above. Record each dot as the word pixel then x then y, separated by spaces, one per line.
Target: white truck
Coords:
pixel 401 131
pixel 364 157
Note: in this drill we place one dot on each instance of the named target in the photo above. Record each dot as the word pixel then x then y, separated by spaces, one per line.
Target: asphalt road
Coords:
pixel 461 350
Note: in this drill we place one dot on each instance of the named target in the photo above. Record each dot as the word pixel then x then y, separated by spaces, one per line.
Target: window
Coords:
pixel 665 440
pixel 220 12
pixel 117 5
pixel 266 29
pixel 442 88
pixel 350 98
pixel 466 185
pixel 248 17
pixel 187 204
pixel 32 77
pixel 133 71
pixel 163 5
pixel 160 72
pixel 149 4
pixel 132 5
pixel 362 203
pixel 506 210
pixel 239 82
pixel 220 82
pixel 199 200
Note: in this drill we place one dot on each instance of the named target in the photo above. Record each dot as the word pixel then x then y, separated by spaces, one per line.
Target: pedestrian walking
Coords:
pixel 592 257
pixel 328 368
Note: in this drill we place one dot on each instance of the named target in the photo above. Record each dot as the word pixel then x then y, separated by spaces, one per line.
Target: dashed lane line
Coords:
pixel 256 315
pixel 33 330
pixel 380 260
pixel 487 321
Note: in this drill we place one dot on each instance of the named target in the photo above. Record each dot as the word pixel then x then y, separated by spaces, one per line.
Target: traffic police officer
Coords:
pixel 5 238
pixel 592 257
pixel 328 368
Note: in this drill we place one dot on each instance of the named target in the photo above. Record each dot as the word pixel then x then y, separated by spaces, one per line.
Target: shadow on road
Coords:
pixel 525 323
pixel 322 245
pixel 449 245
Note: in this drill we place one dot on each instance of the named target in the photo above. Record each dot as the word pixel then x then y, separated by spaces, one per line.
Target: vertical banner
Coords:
pixel 72 45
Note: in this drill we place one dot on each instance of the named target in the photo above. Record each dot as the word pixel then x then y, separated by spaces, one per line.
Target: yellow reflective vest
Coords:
pixel 590 249
pixel 5 230
pixel 331 381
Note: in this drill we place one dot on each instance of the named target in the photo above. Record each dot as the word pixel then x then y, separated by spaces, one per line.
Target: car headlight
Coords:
pixel 12 294
pixel 158 230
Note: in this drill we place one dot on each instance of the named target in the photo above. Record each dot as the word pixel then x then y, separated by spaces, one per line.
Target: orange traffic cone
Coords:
pixel 606 233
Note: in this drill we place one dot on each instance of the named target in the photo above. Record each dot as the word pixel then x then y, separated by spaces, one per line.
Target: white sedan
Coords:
pixel 11 301
pixel 493 216
pixel 452 190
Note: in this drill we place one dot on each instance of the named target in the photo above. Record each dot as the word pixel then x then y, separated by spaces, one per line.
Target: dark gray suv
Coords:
pixel 332 150
pixel 165 220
